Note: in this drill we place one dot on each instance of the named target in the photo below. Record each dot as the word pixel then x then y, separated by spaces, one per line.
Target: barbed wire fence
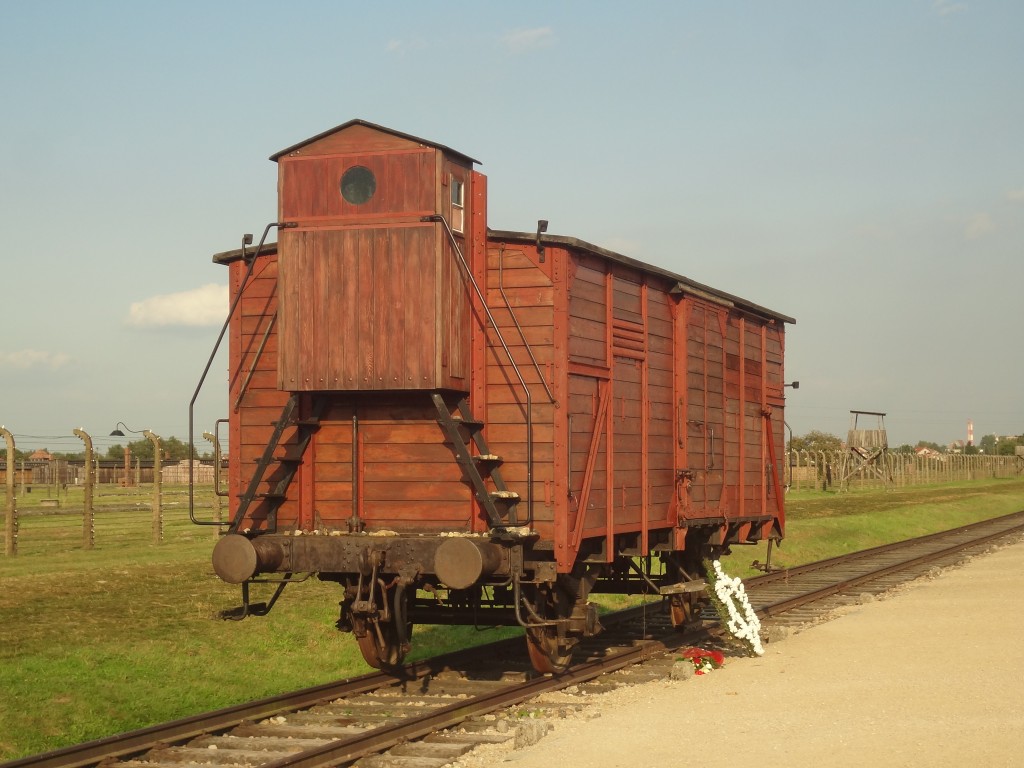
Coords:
pixel 53 492
pixel 826 470
pixel 105 495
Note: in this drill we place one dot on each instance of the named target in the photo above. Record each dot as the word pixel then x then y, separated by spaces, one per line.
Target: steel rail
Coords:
pixel 786 573
pixel 137 742
pixel 788 604
pixel 383 738
pixel 132 743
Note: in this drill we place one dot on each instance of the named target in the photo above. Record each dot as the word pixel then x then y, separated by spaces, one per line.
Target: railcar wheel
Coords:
pixel 550 636
pixel 380 644
pixel 545 654
pixel 682 609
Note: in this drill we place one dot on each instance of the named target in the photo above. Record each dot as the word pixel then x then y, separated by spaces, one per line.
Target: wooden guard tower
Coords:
pixel 866 450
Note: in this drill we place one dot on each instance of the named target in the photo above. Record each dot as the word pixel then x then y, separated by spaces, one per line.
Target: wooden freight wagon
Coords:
pixel 462 425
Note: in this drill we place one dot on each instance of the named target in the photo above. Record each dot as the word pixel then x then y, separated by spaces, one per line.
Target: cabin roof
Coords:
pixel 374 126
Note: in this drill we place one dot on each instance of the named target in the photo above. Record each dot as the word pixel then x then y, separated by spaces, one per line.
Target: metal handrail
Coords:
pixel 515 322
pixel 255 361
pixel 251 260
pixel 438 218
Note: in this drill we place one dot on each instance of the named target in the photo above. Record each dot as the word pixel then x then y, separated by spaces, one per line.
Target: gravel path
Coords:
pixel 933 674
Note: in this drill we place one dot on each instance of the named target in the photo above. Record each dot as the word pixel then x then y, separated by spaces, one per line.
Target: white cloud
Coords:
pixel 1015 195
pixel 206 305
pixel 522 40
pixel 405 46
pixel 979 225
pixel 34 358
pixel 946 7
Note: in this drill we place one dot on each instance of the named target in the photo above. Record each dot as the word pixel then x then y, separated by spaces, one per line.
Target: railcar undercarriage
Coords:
pixel 391 583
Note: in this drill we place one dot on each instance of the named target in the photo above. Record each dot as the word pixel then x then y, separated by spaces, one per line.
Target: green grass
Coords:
pixel 821 525
pixel 93 642
pixel 125 635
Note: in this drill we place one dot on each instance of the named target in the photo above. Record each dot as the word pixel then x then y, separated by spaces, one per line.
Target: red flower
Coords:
pixel 700 658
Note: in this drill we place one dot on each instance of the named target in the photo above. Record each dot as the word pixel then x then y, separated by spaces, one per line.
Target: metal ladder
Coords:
pixel 307 427
pixel 499 503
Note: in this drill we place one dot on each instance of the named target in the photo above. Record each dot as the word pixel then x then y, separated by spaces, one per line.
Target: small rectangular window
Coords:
pixel 458 205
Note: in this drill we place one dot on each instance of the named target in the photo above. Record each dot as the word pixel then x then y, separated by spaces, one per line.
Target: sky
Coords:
pixel 858 166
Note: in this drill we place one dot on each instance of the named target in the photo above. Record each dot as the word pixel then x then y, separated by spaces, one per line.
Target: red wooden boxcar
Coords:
pixel 462 425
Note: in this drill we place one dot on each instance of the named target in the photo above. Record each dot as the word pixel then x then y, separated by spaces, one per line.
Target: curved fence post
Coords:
pixel 88 516
pixel 158 513
pixel 11 517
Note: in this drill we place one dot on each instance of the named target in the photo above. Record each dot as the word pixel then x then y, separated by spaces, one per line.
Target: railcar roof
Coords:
pixel 226 257
pixel 374 126
pixel 684 282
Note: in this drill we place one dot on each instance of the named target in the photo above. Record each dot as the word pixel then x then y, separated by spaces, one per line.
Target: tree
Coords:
pixel 141 449
pixel 1008 447
pixel 815 442
pixel 993 445
pixel 171 447
pixel 174 449
pixel 69 455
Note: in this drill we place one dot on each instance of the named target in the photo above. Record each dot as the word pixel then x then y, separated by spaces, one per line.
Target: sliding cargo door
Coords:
pixel 702 431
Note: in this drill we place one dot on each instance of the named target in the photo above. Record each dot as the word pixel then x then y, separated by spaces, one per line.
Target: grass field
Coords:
pixel 93 642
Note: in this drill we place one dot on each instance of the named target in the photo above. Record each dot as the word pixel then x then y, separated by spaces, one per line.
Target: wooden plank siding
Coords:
pixel 621 473
pixel 358 311
pixel 519 292
pixel 408 476
pixel 733 378
pixel 255 401
pixel 665 399
pixel 405 185
pixel 372 297
pixel 626 340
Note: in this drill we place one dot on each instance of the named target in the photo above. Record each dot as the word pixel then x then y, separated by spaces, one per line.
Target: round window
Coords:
pixel 358 185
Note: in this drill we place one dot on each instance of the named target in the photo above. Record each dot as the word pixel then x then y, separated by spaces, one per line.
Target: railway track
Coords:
pixel 438 709
pixel 794 596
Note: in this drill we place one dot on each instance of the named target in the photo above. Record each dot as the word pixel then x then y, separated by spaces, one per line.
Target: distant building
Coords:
pixel 41 455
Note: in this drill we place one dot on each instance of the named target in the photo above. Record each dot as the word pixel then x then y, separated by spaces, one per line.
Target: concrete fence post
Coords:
pixel 158 512
pixel 11 516
pixel 88 516
pixel 127 466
